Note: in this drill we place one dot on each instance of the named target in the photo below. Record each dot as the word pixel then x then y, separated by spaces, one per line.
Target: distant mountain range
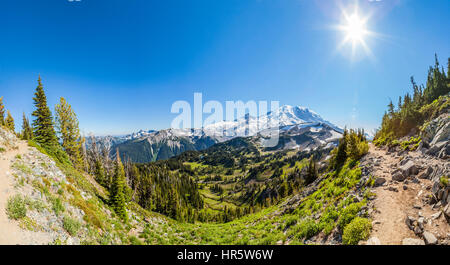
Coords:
pixel 300 128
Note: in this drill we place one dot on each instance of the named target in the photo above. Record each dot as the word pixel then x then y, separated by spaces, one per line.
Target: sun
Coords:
pixel 355 30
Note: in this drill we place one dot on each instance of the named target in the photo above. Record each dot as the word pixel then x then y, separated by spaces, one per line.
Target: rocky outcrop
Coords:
pixel 436 136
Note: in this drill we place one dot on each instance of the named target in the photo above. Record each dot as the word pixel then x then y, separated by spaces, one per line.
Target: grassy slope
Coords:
pixel 330 204
pixel 329 207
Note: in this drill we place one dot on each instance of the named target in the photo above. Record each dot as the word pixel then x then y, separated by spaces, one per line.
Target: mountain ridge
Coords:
pixel 296 125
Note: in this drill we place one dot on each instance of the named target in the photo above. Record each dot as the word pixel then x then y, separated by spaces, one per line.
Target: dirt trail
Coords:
pixel 397 200
pixel 391 207
pixel 10 231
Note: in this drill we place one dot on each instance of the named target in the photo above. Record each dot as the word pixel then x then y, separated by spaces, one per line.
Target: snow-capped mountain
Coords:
pixel 284 118
pixel 299 128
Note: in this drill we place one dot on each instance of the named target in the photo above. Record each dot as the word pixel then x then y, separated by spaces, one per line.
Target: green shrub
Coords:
pixel 358 229
pixel 135 241
pixel 57 205
pixel 307 228
pixel 71 225
pixel 348 214
pixel 16 207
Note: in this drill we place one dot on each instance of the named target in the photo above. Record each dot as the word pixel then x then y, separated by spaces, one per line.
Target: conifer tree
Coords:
pixel 448 69
pixel 68 130
pixel 9 123
pixel 27 132
pixel 99 173
pixel 43 129
pixel 341 151
pixel 117 193
pixel 2 112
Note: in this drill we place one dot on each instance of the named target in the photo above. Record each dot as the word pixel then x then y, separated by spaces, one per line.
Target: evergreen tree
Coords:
pixel 9 123
pixel 312 171
pixel 341 152
pixel 43 130
pixel 448 69
pixel 2 112
pixel 68 130
pixel 27 132
pixel 100 175
pixel 117 193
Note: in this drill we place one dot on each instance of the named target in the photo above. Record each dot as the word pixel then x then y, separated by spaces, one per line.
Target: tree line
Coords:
pixel 414 109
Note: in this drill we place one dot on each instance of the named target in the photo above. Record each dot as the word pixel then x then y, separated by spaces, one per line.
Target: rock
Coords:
pixel 436 148
pixel 429 238
pixel 409 168
pixel 425 174
pixel 394 189
pixel 404 161
pixel 410 222
pixel 373 241
pixel 420 222
pixel 416 206
pixel 418 230
pixel 398 176
pixel 412 241
pixel 436 215
pixel 379 182
pixel 447 212
pixel 435 188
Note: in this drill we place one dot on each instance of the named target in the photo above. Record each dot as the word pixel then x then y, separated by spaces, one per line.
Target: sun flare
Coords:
pixel 354 29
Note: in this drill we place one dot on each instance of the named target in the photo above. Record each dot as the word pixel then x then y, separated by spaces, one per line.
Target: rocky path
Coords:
pixel 402 213
pixel 10 231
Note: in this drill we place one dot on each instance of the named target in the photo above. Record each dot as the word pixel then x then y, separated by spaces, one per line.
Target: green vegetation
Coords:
pixel 425 104
pixel 68 130
pixel 2 112
pixel 16 207
pixel 358 229
pixel 118 190
pixel 353 146
pixel 27 131
pixel 444 181
pixel 9 122
pixel 44 132
pixel 231 193
pixel 71 225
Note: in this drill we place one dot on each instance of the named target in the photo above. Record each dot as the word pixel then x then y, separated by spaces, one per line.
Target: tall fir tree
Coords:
pixel 43 129
pixel 27 132
pixel 9 123
pixel 2 112
pixel 117 193
pixel 67 127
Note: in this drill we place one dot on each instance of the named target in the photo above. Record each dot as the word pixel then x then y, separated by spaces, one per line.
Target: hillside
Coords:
pixel 45 202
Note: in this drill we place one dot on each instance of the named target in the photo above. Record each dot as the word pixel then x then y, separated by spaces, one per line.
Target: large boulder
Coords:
pixel 409 168
pixel 429 238
pixel 436 135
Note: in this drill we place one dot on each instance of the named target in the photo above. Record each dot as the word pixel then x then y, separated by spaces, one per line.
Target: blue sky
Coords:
pixel 121 64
